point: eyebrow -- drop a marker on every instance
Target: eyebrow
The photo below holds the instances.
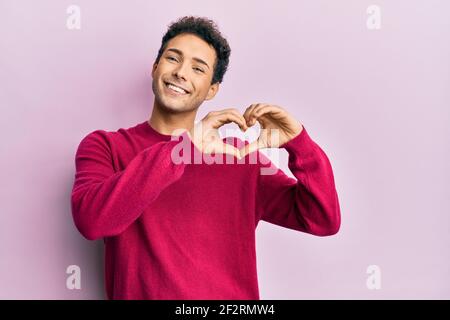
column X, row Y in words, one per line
column 194, row 58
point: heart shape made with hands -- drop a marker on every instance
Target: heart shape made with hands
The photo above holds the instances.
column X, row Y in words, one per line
column 277, row 127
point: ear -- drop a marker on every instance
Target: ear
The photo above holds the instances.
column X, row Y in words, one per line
column 213, row 89
column 155, row 65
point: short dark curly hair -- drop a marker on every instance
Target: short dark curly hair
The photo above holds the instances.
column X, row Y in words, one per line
column 206, row 29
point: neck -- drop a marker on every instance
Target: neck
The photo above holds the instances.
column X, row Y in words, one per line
column 166, row 122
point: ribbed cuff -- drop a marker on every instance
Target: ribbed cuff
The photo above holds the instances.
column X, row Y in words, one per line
column 301, row 143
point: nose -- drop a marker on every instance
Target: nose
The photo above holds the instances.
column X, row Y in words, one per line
column 180, row 71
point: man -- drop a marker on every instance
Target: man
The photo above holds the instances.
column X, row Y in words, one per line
column 184, row 230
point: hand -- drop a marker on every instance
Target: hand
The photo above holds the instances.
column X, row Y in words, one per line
column 277, row 126
column 205, row 134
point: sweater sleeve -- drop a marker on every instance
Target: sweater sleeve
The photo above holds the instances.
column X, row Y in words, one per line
column 105, row 201
column 308, row 203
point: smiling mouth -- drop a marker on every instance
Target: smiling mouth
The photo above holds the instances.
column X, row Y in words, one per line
column 175, row 90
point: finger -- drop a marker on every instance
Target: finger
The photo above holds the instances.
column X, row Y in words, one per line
column 264, row 110
column 251, row 115
column 249, row 148
column 236, row 112
column 227, row 117
column 223, row 148
column 248, row 111
column 229, row 149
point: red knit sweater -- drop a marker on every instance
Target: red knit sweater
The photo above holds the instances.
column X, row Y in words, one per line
column 187, row 231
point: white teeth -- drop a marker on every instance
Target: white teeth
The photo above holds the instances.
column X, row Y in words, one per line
column 170, row 86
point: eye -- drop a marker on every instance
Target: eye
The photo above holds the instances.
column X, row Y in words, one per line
column 171, row 58
column 198, row 69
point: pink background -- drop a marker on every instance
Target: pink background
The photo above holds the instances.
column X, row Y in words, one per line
column 377, row 102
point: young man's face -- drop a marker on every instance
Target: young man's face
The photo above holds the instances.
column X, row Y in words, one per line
column 187, row 62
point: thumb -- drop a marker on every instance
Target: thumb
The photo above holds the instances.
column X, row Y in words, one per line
column 232, row 150
column 249, row 148
column 223, row 148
